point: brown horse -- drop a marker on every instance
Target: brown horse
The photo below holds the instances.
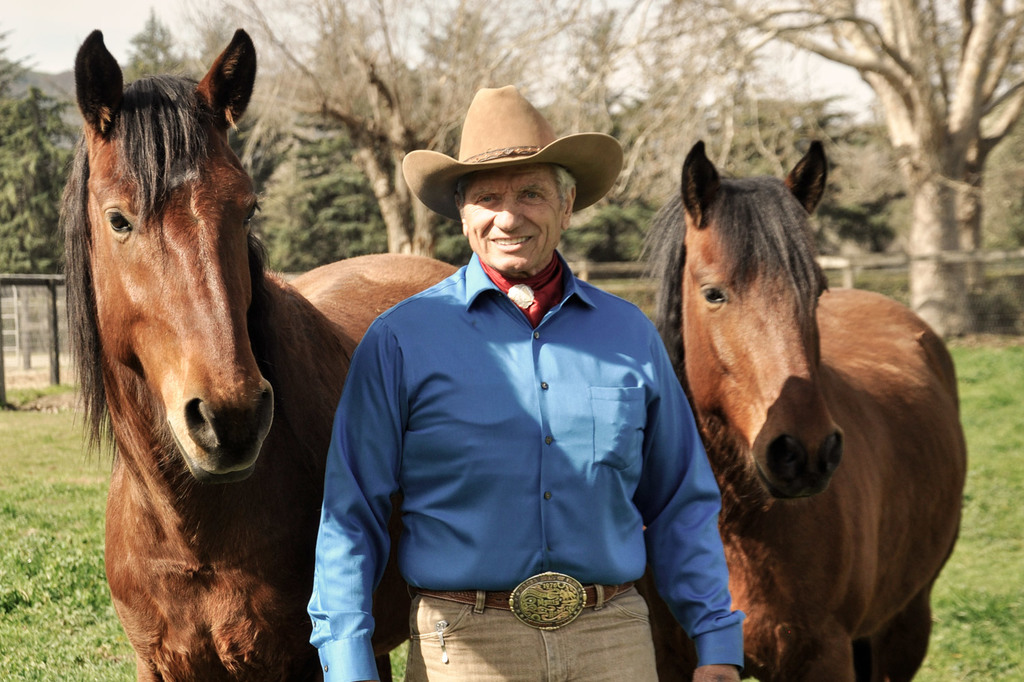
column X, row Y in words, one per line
column 831, row 420
column 216, row 381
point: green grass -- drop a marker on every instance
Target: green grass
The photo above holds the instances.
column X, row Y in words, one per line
column 978, row 602
column 57, row 623
column 56, row 618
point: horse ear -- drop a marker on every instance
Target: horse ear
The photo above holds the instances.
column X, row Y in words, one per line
column 99, row 85
column 700, row 184
column 226, row 88
column 807, row 179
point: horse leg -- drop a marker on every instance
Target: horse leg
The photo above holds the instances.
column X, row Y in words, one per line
column 384, row 667
column 899, row 649
column 813, row 652
column 862, row 660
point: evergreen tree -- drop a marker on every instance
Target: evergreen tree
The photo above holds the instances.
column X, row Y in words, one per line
column 153, row 51
column 35, row 147
column 613, row 232
column 9, row 71
column 319, row 208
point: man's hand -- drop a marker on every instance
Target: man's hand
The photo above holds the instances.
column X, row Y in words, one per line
column 717, row 673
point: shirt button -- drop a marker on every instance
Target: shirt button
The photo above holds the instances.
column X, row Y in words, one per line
column 547, row 496
column 536, row 335
column 544, row 385
column 549, row 440
column 325, row 668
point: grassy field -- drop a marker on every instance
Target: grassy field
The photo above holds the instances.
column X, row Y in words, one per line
column 57, row 623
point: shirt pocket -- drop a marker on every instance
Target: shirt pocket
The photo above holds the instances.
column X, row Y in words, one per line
column 619, row 417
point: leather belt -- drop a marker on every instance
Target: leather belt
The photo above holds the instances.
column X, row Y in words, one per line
column 546, row 601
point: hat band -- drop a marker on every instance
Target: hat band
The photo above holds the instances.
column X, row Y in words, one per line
column 502, row 153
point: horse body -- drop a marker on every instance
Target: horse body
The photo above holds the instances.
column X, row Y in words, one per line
column 832, row 425
column 857, row 561
column 217, row 380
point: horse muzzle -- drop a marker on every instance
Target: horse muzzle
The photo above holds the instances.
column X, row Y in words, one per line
column 221, row 443
column 790, row 470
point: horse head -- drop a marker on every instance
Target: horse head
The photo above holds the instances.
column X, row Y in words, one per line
column 164, row 255
column 749, row 287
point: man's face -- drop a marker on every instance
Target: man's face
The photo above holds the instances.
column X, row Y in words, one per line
column 514, row 218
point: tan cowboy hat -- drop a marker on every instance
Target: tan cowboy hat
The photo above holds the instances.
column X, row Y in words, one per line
column 503, row 129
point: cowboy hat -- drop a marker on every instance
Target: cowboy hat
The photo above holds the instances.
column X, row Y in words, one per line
column 503, row 129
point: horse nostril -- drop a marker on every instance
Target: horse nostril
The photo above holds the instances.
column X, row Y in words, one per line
column 787, row 458
column 200, row 424
column 831, row 453
column 265, row 409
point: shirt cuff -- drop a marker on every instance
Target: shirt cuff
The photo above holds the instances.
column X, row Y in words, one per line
column 721, row 647
column 348, row 660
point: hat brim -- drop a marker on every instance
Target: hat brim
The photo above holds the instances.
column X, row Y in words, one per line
column 594, row 159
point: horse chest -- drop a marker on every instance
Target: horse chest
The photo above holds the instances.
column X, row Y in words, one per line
column 198, row 621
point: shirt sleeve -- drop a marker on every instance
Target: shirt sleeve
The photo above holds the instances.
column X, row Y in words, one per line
column 680, row 501
column 361, row 475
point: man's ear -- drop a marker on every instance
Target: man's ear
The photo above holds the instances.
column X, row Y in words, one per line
column 459, row 203
column 570, row 201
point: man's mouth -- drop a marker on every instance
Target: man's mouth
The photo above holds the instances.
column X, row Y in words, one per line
column 510, row 241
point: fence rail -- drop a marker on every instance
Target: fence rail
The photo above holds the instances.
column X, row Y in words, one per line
column 34, row 324
column 870, row 261
column 21, row 325
column 995, row 289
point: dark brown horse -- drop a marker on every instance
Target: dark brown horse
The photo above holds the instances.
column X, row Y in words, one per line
column 831, row 420
column 216, row 381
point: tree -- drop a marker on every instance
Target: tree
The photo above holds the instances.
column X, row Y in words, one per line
column 950, row 85
column 612, row 233
column 9, row 70
column 35, row 147
column 771, row 135
column 318, row 208
column 153, row 51
column 1004, row 194
column 398, row 76
column 391, row 76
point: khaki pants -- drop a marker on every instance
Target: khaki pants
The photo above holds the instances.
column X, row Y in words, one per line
column 610, row 643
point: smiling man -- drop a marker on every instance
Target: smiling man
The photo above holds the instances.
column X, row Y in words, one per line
column 539, row 437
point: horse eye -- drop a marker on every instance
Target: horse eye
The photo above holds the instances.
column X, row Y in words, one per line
column 118, row 223
column 252, row 214
column 714, row 295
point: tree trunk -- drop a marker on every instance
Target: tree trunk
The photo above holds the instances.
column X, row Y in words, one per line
column 969, row 213
column 424, row 222
column 399, row 238
column 937, row 291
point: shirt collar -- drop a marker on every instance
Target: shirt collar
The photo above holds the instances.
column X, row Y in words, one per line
column 478, row 282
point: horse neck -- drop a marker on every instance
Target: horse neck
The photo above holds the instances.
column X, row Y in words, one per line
column 307, row 359
column 744, row 499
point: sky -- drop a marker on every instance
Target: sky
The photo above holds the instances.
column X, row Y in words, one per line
column 46, row 34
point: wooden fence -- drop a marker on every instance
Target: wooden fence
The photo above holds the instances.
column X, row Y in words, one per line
column 997, row 296
column 14, row 317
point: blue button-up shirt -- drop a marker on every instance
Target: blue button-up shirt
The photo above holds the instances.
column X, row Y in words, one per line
column 518, row 451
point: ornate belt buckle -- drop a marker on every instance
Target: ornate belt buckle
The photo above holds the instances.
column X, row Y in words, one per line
column 548, row 601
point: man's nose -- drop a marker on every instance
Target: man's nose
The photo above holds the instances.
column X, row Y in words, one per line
column 506, row 218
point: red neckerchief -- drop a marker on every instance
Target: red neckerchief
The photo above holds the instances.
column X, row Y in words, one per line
column 546, row 284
